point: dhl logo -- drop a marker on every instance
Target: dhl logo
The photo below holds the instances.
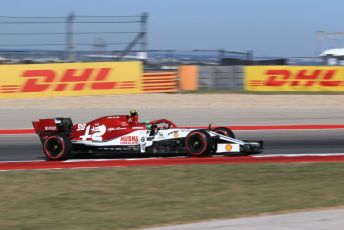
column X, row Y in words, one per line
column 303, row 77
column 36, row 81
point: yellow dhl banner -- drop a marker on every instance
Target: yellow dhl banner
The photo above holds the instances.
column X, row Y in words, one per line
column 69, row 79
column 294, row 78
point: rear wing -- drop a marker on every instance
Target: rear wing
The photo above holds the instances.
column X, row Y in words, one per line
column 47, row 127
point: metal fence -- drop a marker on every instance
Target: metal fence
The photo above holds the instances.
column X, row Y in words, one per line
column 221, row 77
column 171, row 59
column 71, row 38
column 109, row 38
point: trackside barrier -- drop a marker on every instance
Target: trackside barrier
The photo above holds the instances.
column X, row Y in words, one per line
column 294, row 78
column 188, row 77
column 221, row 77
column 159, row 82
column 69, row 79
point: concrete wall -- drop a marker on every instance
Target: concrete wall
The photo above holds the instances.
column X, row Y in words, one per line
column 221, row 77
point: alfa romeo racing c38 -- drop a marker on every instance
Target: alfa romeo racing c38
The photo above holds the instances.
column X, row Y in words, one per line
column 124, row 133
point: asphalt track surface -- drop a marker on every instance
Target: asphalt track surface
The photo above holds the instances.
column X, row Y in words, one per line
column 317, row 220
column 27, row 147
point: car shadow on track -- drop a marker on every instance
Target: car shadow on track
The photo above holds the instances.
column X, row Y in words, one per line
column 119, row 156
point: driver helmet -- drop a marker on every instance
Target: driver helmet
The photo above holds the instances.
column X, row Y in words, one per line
column 133, row 112
column 133, row 118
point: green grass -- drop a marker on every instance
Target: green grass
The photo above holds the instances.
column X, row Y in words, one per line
column 136, row 197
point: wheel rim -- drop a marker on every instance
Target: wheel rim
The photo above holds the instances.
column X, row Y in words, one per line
column 196, row 143
column 54, row 147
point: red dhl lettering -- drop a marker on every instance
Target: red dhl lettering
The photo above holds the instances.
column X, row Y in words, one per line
column 307, row 78
column 71, row 80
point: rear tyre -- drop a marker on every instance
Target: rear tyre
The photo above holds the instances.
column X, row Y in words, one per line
column 224, row 131
column 57, row 147
column 198, row 143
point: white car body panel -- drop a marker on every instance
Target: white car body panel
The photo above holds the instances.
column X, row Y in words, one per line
column 143, row 139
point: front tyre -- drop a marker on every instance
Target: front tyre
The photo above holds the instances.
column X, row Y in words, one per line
column 198, row 143
column 224, row 131
column 57, row 147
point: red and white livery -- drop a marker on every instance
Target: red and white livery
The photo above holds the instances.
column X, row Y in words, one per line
column 124, row 133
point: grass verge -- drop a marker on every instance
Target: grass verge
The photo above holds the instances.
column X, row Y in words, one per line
column 136, row 197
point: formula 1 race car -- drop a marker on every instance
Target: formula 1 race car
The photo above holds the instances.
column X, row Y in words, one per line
column 124, row 133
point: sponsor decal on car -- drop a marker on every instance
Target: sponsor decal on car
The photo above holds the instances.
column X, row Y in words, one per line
column 81, row 127
column 175, row 134
column 114, row 129
column 159, row 136
column 50, row 128
column 229, row 147
column 113, row 117
column 129, row 140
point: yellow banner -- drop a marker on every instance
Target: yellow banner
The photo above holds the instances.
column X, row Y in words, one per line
column 294, row 78
column 69, row 79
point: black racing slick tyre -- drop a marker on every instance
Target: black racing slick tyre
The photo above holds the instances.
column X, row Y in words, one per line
column 198, row 143
column 224, row 131
column 57, row 147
